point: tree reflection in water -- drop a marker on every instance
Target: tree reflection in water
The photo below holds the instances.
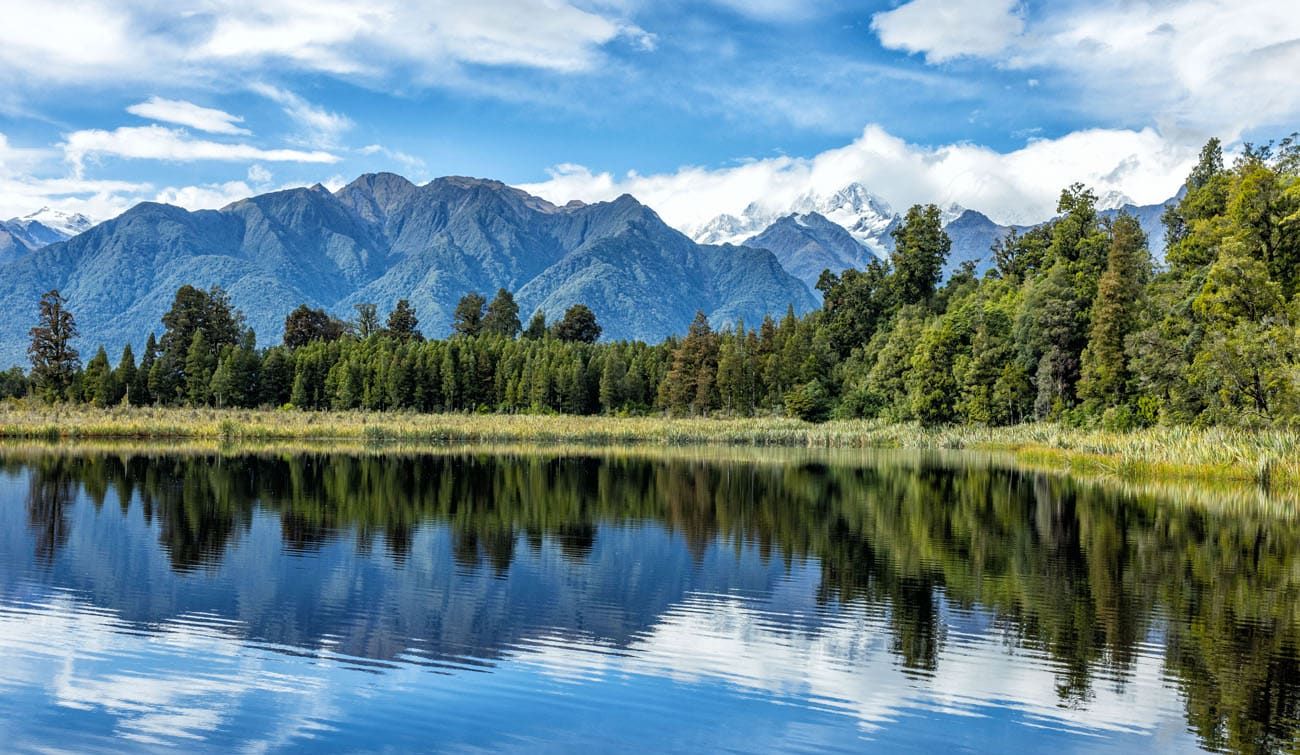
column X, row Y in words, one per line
column 1077, row 571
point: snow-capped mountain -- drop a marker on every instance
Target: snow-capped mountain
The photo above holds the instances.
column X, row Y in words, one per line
column 68, row 224
column 798, row 235
column 1114, row 200
column 865, row 216
column 21, row 236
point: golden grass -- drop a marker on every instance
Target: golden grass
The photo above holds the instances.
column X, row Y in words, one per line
column 1269, row 459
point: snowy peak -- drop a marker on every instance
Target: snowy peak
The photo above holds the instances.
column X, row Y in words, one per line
column 864, row 215
column 21, row 236
column 733, row 229
column 950, row 212
column 67, row 223
column 1114, row 200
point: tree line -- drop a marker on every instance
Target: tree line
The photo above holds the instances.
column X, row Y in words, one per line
column 1074, row 322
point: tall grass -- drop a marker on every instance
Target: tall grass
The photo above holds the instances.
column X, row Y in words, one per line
column 1269, row 458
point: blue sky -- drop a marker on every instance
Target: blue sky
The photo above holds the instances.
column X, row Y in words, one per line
column 697, row 108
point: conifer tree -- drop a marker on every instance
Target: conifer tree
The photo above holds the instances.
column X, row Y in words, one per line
column 536, row 329
column 920, row 249
column 468, row 317
column 200, row 363
column 125, row 377
column 54, row 360
column 502, row 318
column 97, row 382
column 403, row 324
column 578, row 324
column 1114, row 315
column 690, row 386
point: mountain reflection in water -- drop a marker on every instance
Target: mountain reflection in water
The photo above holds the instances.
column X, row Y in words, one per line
column 526, row 601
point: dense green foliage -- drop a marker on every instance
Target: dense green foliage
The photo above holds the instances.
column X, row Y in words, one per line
column 1074, row 324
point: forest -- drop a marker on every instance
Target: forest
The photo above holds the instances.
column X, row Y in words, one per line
column 1074, row 323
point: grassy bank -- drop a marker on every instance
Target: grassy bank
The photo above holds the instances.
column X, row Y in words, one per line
column 1270, row 459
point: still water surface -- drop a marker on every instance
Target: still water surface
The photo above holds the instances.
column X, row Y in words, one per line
column 524, row 602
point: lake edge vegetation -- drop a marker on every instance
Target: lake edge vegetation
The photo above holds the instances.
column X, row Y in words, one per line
column 1269, row 459
column 1073, row 329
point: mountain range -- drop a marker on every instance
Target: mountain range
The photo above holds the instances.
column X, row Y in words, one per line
column 20, row 236
column 812, row 233
column 382, row 238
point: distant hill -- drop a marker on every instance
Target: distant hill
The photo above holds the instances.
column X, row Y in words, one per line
column 382, row 238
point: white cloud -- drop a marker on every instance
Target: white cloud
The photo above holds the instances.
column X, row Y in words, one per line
column 188, row 114
column 205, row 197
column 82, row 41
column 1194, row 68
column 409, row 161
column 320, row 127
column 1206, row 66
column 258, row 174
column 94, row 198
column 1020, row 186
column 160, row 143
column 944, row 29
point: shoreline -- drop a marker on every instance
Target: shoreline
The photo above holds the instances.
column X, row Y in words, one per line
column 1269, row 459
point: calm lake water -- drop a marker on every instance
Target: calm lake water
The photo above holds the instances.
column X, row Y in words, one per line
column 525, row 602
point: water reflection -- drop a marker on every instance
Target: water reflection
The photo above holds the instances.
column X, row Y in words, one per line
column 896, row 600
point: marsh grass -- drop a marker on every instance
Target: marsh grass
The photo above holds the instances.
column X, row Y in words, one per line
column 1267, row 458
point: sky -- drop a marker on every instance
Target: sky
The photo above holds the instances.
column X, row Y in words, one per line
column 695, row 107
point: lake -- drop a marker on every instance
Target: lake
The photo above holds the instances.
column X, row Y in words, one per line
column 533, row 600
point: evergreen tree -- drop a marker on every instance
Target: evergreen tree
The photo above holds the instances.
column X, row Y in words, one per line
column 578, row 324
column 54, row 361
column 920, row 248
column 468, row 317
column 97, row 382
column 200, row 362
column 502, row 317
column 1114, row 315
column 612, row 378
column 125, row 377
column 691, row 383
column 140, row 394
column 13, row 383
column 304, row 325
column 277, row 379
column 854, row 305
column 536, row 329
column 192, row 311
column 403, row 324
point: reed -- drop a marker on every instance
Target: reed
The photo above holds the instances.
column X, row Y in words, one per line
column 1268, row 458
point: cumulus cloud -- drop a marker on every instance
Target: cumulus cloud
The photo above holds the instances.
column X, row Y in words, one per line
column 1020, row 186
column 258, row 174
column 142, row 40
column 1196, row 67
column 205, row 197
column 160, row 143
column 944, row 29
column 185, row 113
